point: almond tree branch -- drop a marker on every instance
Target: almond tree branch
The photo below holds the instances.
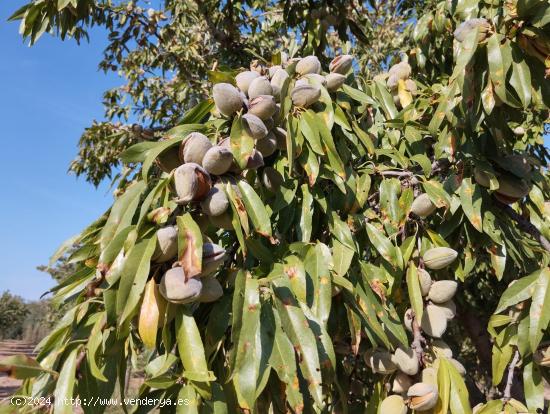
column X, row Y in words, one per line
column 510, row 379
column 525, row 225
column 418, row 340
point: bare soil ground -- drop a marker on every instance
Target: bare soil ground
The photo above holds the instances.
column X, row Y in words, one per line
column 8, row 348
column 9, row 385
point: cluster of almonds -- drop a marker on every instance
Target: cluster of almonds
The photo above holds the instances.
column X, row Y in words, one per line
column 201, row 169
column 400, row 72
column 175, row 285
column 439, row 307
column 420, row 387
column 199, row 163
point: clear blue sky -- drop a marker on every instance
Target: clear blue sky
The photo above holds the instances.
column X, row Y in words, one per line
column 49, row 94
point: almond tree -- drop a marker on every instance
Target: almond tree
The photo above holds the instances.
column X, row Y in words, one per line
column 316, row 237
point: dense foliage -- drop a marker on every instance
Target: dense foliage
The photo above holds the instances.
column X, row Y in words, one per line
column 165, row 55
column 392, row 230
column 13, row 312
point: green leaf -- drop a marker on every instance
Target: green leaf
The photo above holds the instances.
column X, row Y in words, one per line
column 443, row 386
column 135, row 262
column 533, row 385
column 242, row 144
column 190, row 245
column 497, row 68
column 384, row 246
column 248, row 349
column 466, row 52
column 358, row 95
column 386, row 100
column 190, row 347
column 189, row 395
column 330, row 149
column 437, row 193
column 317, row 263
column 342, row 257
column 65, row 246
column 65, row 384
column 415, row 294
column 112, row 250
column 306, row 215
column 364, row 138
column 296, row 326
column 139, row 279
column 22, row 367
column 197, row 114
column 282, row 358
column 341, row 231
column 310, row 132
column 459, row 398
column 137, row 152
column 256, row 209
column 539, row 312
column 122, row 213
column 94, row 344
column 216, row 76
column 470, row 200
column 521, row 290
column 521, row 77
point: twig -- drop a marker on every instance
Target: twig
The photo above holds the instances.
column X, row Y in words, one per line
column 510, row 379
column 396, row 173
column 418, row 340
column 525, row 225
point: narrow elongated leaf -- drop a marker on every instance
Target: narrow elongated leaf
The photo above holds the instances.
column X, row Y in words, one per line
column 497, row 68
column 190, row 400
column 383, row 245
column 459, row 402
column 470, row 200
column 308, row 126
column 151, row 314
column 122, row 212
column 306, row 215
column 93, row 346
column 242, row 144
column 189, row 245
column 297, row 328
column 539, row 313
column 139, row 278
column 256, row 209
column 519, row 291
column 190, row 347
column 521, row 77
column 330, row 149
column 533, row 385
column 248, row 346
column 415, row 294
column 135, row 270
column 342, row 257
column 317, row 263
column 65, row 385
column 22, row 367
column 443, row 387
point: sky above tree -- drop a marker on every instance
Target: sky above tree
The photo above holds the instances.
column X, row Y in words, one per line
column 50, row 93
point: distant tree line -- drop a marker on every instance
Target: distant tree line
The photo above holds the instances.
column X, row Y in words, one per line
column 20, row 319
